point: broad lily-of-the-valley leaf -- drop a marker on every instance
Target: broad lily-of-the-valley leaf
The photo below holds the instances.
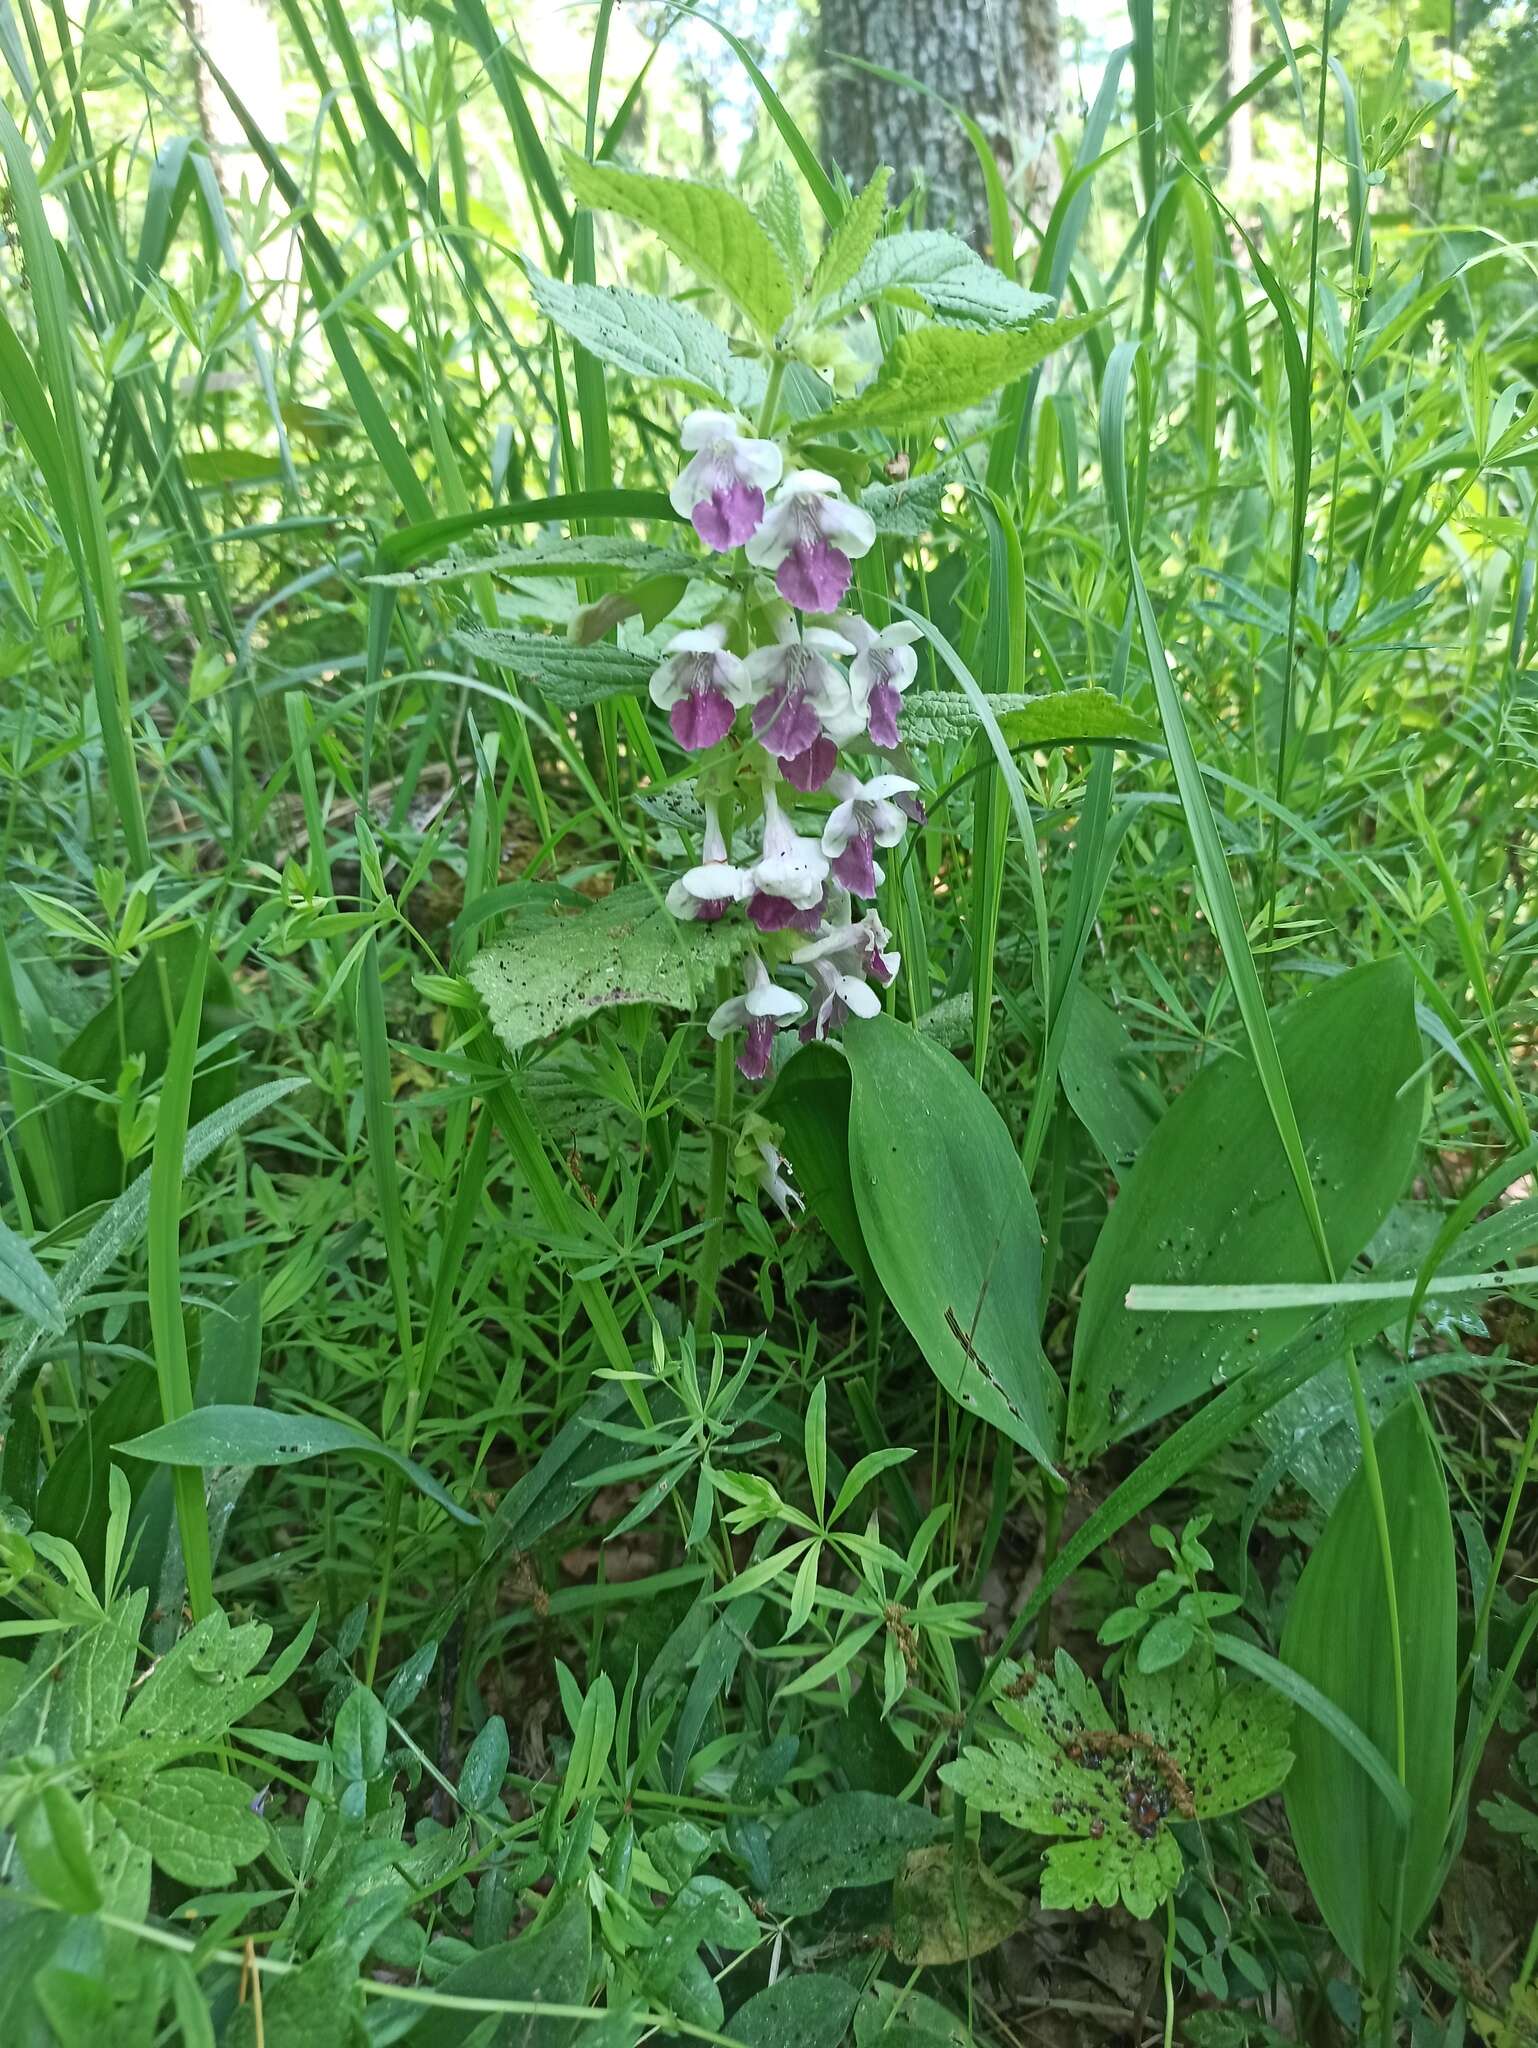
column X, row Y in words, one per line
column 1211, row 1199
column 1110, row 1798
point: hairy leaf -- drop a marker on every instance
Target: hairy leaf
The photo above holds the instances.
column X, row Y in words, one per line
column 550, row 969
column 936, row 369
column 943, row 274
column 940, row 717
column 850, row 242
column 560, row 555
column 570, row 676
column 660, row 339
column 712, row 230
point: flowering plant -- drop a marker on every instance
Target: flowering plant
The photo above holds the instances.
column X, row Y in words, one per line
column 818, row 685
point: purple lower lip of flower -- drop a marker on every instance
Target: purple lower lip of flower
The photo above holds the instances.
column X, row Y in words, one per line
column 855, row 867
column 811, row 770
column 880, row 967
column 912, row 806
column 757, row 1049
column 885, row 703
column 771, row 913
column 701, row 718
column 784, row 723
column 814, row 576
column 729, row 516
column 810, row 921
column 712, row 908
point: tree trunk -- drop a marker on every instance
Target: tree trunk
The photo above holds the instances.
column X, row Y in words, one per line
column 241, row 39
column 1241, row 64
column 997, row 60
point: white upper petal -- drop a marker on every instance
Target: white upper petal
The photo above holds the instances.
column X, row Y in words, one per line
column 850, row 527
column 700, row 429
column 858, row 997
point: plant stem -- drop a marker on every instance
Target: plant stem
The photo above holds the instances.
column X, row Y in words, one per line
column 720, row 1169
column 1497, row 1556
column 1169, row 1971
column 771, row 404
column 1052, row 1533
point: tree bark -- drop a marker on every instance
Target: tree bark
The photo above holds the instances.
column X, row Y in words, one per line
column 997, row 60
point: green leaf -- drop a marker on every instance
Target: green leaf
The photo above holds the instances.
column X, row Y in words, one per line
column 485, row 1766
column 570, row 676
column 126, row 1218
column 941, row 717
column 850, row 242
column 550, row 969
column 810, row 1103
column 360, row 1737
column 1337, row 1637
column 911, row 510
column 1192, row 1749
column 892, row 2016
column 707, row 227
column 851, row 1838
column 225, row 1435
column 1112, row 1091
column 206, row 1682
column 933, row 370
column 779, row 208
column 51, row 1837
column 549, row 1966
column 796, row 2012
column 660, row 339
column 1212, row 1198
column 951, row 1228
column 943, row 274
column 945, row 1910
column 562, row 555
column 195, row 1824
column 24, row 1284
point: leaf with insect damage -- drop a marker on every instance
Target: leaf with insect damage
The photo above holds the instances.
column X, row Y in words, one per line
column 1194, row 1748
column 553, row 967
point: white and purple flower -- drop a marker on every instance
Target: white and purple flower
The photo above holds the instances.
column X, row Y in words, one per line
column 789, row 879
column 722, row 488
column 863, row 819
column 883, row 667
column 773, row 1176
column 701, row 684
column 810, row 536
column 802, row 703
column 856, row 947
column 761, row 1009
column 708, row 891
